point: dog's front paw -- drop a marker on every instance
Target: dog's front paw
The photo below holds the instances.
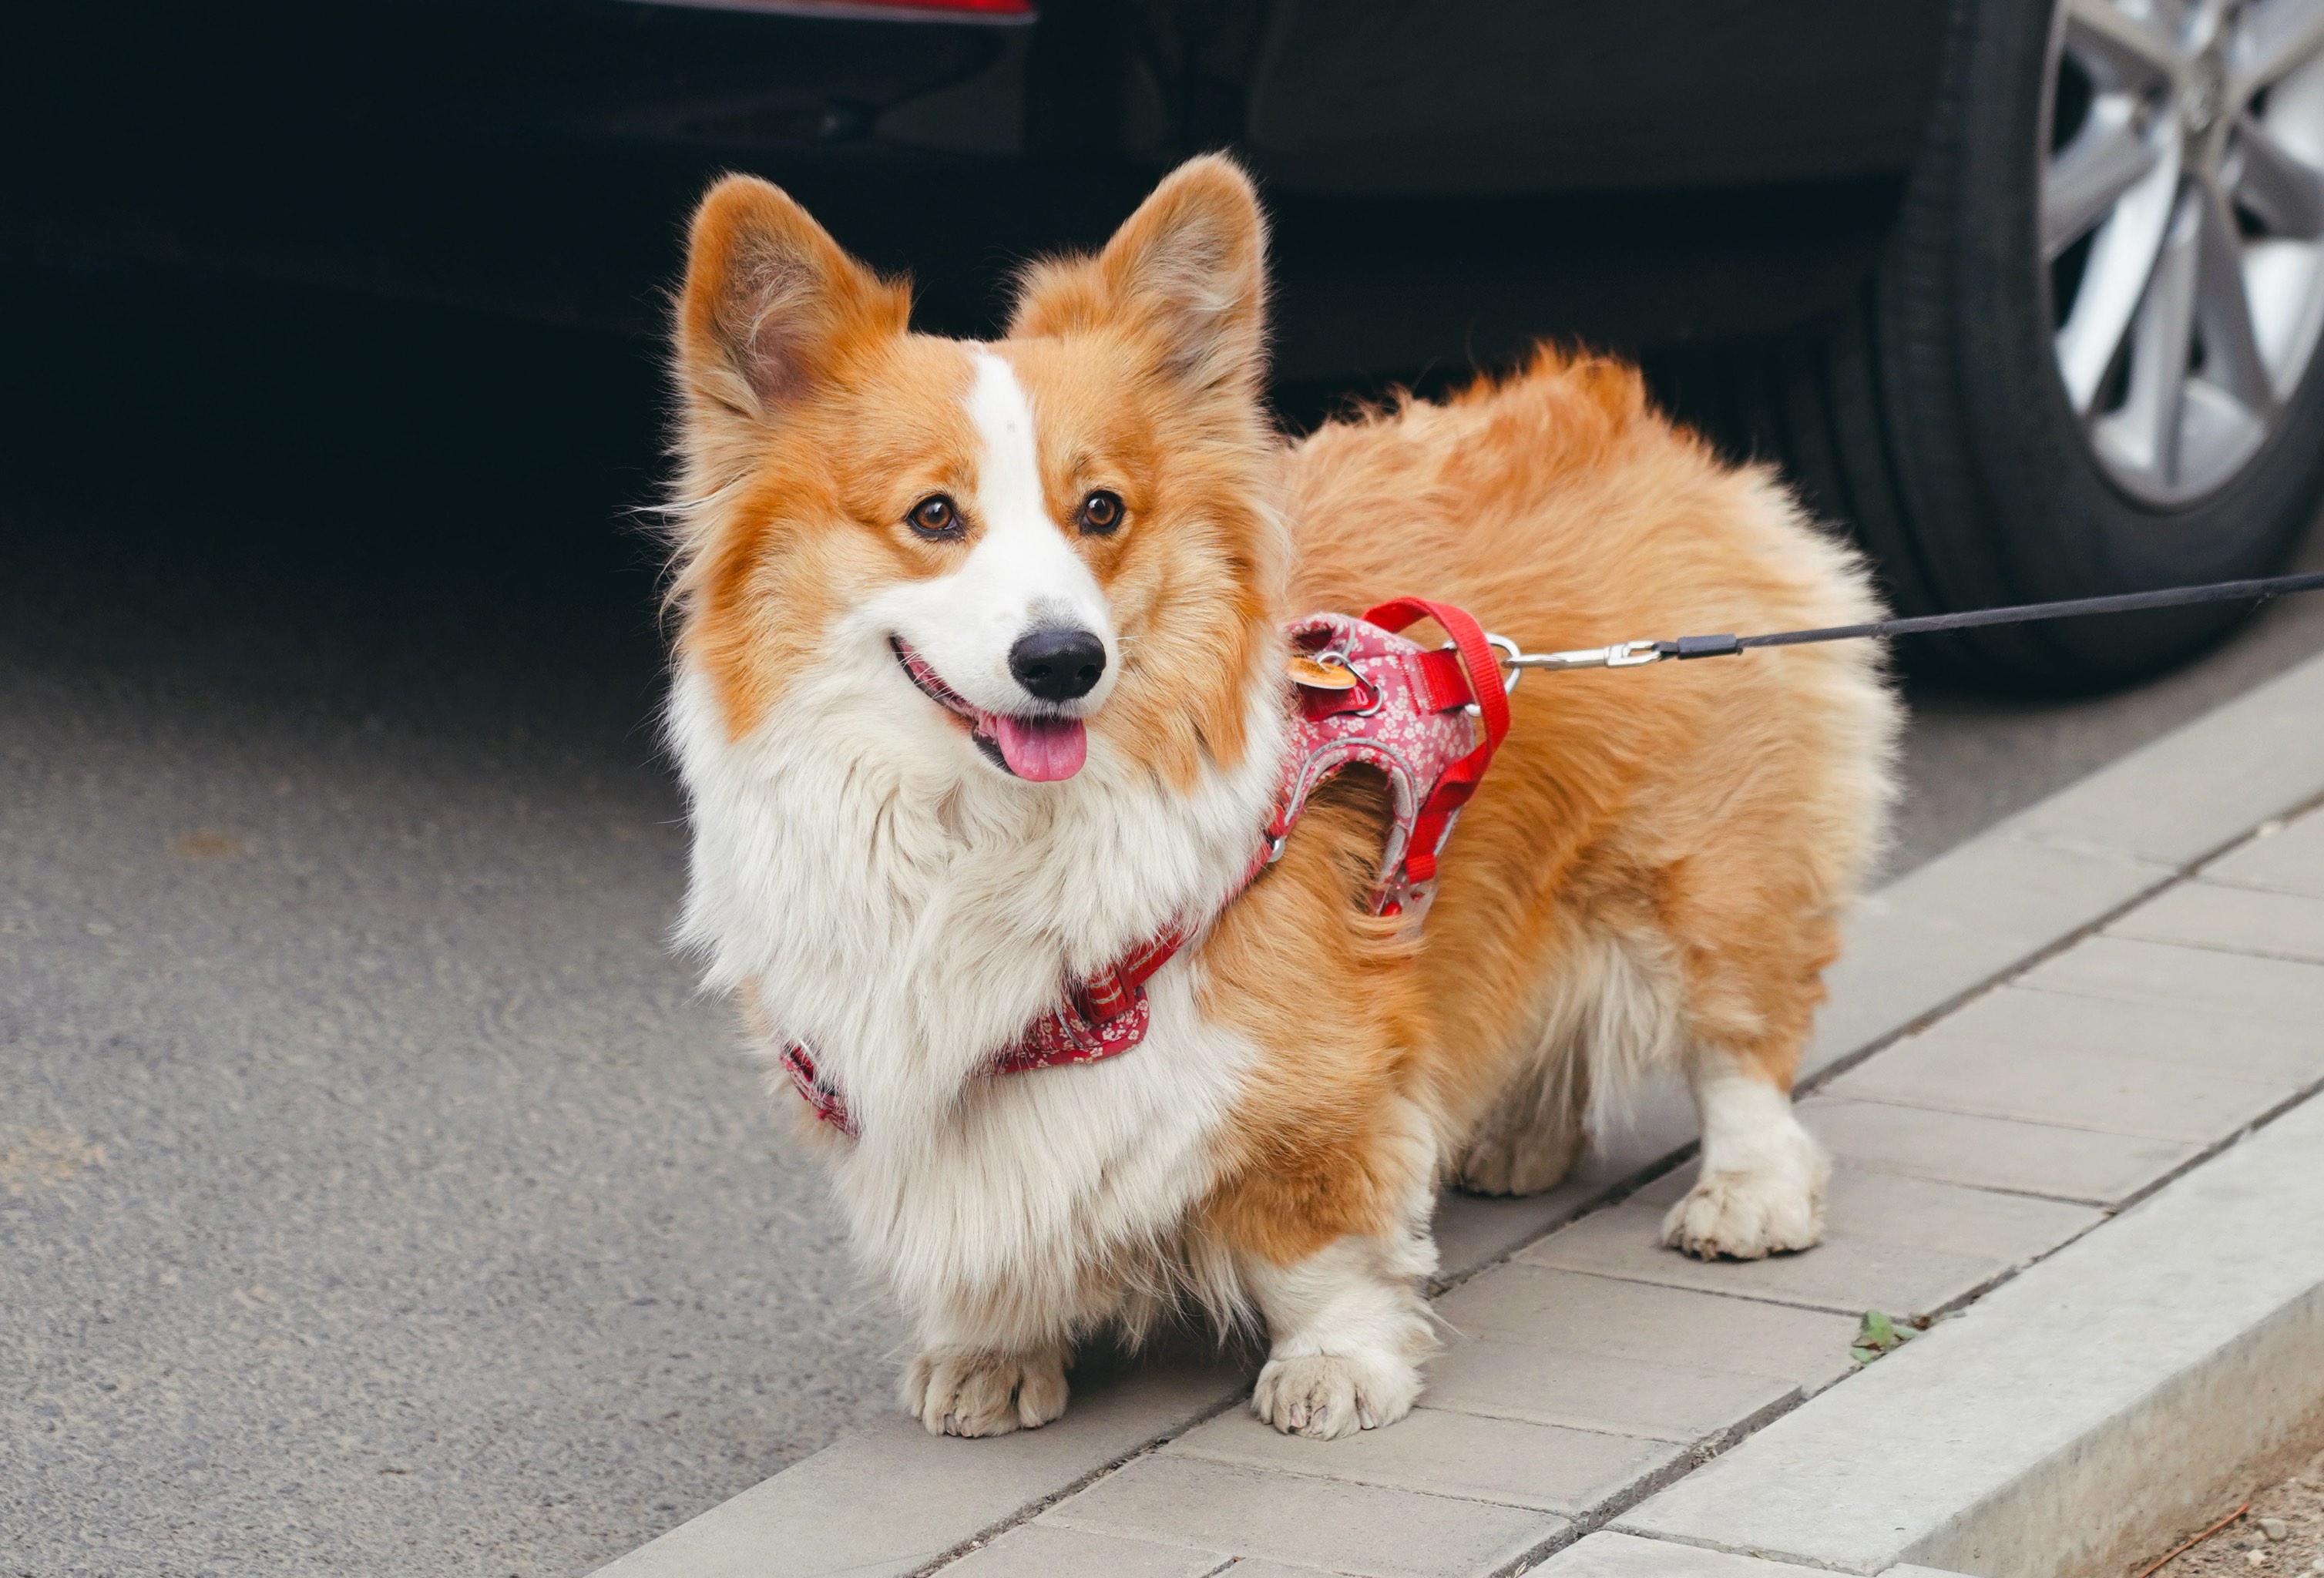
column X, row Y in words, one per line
column 1326, row 1396
column 1748, row 1216
column 974, row 1391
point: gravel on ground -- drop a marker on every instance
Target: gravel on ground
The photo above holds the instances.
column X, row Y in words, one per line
column 2281, row 1532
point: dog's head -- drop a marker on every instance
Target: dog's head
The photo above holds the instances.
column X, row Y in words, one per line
column 1065, row 533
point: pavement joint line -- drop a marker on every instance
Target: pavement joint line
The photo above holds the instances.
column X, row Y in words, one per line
column 1538, row 1554
column 1955, row 1306
column 1653, row 1172
column 2115, row 1206
column 1591, row 1521
column 2171, row 876
column 1588, row 1523
column 1729, row 1563
column 2204, row 945
column 1033, row 1509
column 2227, row 1391
column 1605, row 1199
column 1832, row 1070
column 1880, row 1100
column 2168, row 872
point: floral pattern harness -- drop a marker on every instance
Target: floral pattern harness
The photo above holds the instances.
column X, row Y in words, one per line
column 1428, row 720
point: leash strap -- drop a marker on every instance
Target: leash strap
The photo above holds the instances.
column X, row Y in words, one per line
column 2026, row 613
column 1487, row 693
column 1634, row 654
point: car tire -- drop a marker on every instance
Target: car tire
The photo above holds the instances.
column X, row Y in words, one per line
column 1936, row 422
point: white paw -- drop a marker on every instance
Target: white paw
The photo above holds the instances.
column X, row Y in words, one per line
column 1326, row 1396
column 971, row 1391
column 1749, row 1215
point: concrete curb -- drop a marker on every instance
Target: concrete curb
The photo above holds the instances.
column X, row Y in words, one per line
column 2074, row 1419
column 1622, row 1556
column 896, row 1502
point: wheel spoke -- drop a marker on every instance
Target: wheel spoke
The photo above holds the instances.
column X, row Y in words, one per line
column 2115, row 279
column 2273, row 38
column 2121, row 49
column 2287, row 195
column 2106, row 158
column 2231, row 358
column 2149, row 424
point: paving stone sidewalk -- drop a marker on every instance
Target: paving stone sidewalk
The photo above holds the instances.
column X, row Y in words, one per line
column 2061, row 1017
column 1594, row 1367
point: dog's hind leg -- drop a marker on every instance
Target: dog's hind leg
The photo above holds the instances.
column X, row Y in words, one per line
column 1760, row 1187
column 1533, row 1133
column 1609, row 1014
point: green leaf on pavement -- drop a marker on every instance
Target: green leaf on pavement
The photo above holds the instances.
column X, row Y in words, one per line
column 1877, row 1335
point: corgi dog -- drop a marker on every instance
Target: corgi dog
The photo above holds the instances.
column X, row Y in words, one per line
column 979, row 685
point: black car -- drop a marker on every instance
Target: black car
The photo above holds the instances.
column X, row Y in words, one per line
column 2026, row 292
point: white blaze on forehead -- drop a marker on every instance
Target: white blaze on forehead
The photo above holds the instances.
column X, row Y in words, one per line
column 1020, row 573
column 1009, row 469
column 1023, row 555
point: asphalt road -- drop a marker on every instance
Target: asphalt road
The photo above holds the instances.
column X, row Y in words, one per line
column 375, row 1194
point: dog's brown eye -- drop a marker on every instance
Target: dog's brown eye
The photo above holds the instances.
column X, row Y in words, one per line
column 1100, row 512
column 934, row 517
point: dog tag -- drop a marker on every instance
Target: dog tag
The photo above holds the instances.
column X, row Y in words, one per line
column 1321, row 676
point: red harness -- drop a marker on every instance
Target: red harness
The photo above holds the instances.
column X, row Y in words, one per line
column 1429, row 721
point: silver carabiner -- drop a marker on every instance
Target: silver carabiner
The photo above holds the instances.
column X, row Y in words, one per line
column 1620, row 655
column 1516, row 660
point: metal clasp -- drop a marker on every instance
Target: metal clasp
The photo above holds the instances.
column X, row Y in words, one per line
column 1620, row 655
column 1516, row 660
column 1510, row 655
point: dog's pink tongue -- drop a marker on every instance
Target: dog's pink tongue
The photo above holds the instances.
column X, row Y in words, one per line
column 1043, row 750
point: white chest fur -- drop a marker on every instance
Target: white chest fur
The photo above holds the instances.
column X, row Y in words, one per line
column 904, row 910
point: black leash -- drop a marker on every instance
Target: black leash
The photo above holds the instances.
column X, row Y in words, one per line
column 1632, row 654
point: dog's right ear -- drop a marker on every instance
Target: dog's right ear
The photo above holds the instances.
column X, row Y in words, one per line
column 772, row 305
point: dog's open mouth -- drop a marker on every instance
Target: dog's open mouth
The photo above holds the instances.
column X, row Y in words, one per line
column 1040, row 749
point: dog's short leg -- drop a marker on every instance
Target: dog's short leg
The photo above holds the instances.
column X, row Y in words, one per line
column 956, row 1391
column 1349, row 1330
column 1531, row 1135
column 1762, row 1180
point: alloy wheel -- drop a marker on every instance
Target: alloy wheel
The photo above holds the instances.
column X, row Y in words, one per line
column 2182, row 221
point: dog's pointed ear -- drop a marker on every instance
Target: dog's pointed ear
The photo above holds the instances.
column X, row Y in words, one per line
column 1187, row 272
column 772, row 305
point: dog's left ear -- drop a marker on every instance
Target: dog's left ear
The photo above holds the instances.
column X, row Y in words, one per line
column 1186, row 273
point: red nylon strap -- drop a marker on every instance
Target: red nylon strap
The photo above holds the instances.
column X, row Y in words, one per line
column 1112, row 993
column 1441, row 680
column 1106, row 1011
column 1115, row 993
column 1482, row 671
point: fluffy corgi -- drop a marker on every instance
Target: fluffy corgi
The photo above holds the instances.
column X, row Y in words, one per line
column 980, row 687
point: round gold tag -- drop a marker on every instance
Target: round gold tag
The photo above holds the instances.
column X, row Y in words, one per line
column 1320, row 676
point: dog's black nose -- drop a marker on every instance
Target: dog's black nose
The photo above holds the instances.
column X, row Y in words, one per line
column 1057, row 665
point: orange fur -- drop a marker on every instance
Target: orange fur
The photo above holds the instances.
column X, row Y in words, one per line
column 1719, row 811
column 1329, row 992
column 795, row 505
column 1682, row 837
